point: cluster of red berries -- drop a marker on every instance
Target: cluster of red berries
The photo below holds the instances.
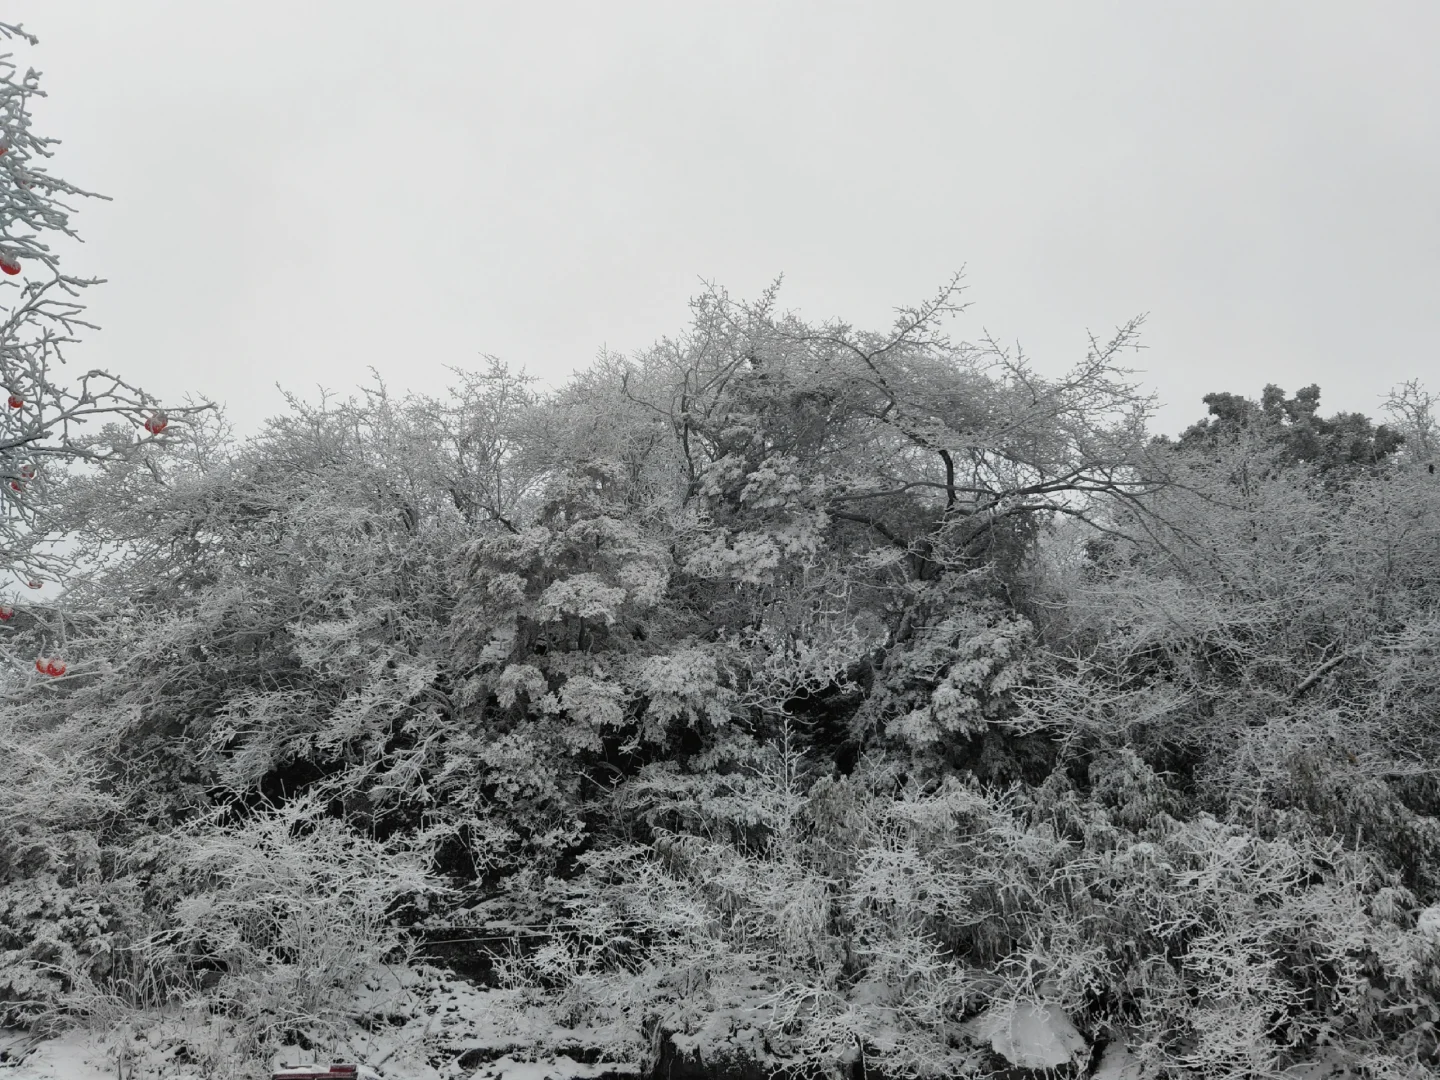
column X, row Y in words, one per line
column 27, row 472
column 45, row 665
column 52, row 665
column 155, row 423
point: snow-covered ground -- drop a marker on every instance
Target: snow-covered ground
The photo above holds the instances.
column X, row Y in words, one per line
column 70, row 1057
column 418, row 1019
column 77, row 1055
column 428, row 1026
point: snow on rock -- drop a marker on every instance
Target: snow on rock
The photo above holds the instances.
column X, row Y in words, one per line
column 1328, row 1065
column 1030, row 1035
column 1428, row 924
column 1117, row 1063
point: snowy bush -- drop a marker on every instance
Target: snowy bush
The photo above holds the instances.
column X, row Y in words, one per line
column 295, row 910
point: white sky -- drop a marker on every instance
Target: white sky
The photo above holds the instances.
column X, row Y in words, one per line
column 307, row 187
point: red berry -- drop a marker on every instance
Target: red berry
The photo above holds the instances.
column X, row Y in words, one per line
column 55, row 668
column 34, row 584
column 40, row 663
column 157, row 423
column 14, row 485
column 16, row 401
column 10, row 266
column 27, row 471
column 6, row 613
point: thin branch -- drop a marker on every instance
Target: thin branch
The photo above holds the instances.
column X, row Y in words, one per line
column 1318, row 674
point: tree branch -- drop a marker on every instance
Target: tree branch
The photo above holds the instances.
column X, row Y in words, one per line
column 1318, row 674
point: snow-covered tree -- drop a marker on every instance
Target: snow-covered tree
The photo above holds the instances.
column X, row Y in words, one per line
column 44, row 409
column 1412, row 408
column 594, row 654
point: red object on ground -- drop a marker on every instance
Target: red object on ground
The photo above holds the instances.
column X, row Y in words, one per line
column 9, row 266
column 6, row 614
column 313, row 1072
column 157, row 423
column 16, row 401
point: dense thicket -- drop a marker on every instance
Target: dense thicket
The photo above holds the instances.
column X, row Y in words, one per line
column 873, row 671
column 864, row 693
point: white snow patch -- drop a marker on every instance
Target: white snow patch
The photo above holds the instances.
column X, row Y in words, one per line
column 1117, row 1063
column 1428, row 924
column 561, row 1068
column 72, row 1056
column 1030, row 1035
column 1327, row 1065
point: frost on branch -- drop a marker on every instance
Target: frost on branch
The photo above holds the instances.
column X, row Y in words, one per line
column 953, row 679
column 40, row 318
column 603, row 682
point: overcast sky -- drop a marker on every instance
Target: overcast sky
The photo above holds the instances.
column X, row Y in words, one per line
column 307, row 187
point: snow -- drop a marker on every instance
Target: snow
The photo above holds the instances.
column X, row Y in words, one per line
column 417, row 1019
column 72, row 1056
column 1428, row 923
column 445, row 1029
column 561, row 1068
column 1028, row 1034
column 1117, row 1063
column 1328, row 1065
